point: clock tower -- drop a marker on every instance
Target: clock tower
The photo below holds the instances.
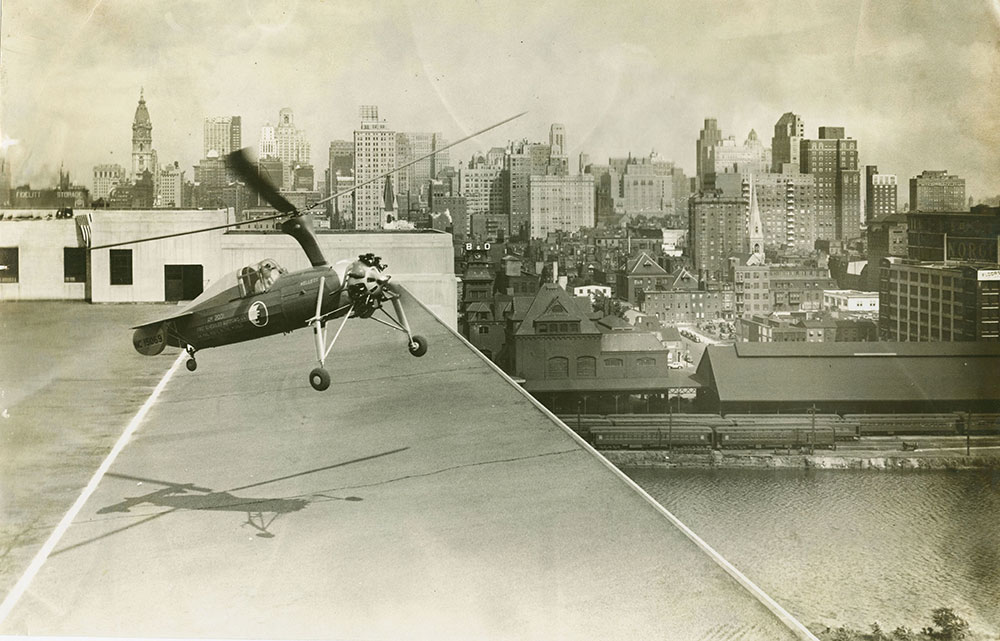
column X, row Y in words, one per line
column 143, row 154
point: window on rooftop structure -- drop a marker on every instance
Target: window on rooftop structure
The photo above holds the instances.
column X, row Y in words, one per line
column 9, row 270
column 74, row 264
column 120, row 264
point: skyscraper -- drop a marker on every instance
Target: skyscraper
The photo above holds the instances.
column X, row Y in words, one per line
column 522, row 161
column 786, row 142
column 143, row 154
column 561, row 203
column 292, row 146
column 268, row 145
column 833, row 161
column 716, row 231
column 557, row 139
column 170, row 188
column 374, row 154
column 223, row 134
column 881, row 193
column 710, row 136
column 937, row 191
column 412, row 182
column 731, row 163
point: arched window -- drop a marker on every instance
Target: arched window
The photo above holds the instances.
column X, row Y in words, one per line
column 557, row 367
column 614, row 362
column 645, row 361
column 586, row 366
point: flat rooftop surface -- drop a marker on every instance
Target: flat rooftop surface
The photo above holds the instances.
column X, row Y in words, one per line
column 416, row 498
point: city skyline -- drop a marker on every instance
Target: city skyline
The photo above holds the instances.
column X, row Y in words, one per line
column 902, row 81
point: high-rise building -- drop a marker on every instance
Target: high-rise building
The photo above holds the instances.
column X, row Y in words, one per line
column 716, row 231
column 5, row 180
column 522, row 161
column 787, row 203
column 833, row 161
column 561, row 203
column 223, row 134
column 342, row 157
column 786, row 142
column 106, row 178
column 483, row 189
column 708, row 138
column 881, row 193
column 646, row 186
column 937, row 191
column 143, row 154
column 412, row 181
column 170, row 188
column 268, row 145
column 374, row 154
column 292, row 146
column 749, row 158
column 557, row 139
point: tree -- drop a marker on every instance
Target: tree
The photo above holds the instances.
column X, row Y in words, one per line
column 952, row 626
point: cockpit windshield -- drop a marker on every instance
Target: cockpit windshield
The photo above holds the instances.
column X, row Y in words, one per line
column 258, row 278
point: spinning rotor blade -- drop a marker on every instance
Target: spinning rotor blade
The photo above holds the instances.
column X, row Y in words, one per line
column 246, row 171
column 241, row 165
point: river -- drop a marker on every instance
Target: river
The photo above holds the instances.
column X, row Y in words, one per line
column 841, row 547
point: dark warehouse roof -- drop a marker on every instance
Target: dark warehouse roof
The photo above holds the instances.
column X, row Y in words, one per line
column 852, row 371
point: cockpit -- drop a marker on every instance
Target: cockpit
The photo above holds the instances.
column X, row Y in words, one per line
column 258, row 278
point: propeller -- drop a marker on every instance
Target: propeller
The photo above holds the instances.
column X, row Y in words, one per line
column 241, row 164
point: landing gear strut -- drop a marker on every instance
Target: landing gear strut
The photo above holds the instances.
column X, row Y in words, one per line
column 191, row 364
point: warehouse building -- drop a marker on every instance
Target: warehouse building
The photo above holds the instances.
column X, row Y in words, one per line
column 849, row 377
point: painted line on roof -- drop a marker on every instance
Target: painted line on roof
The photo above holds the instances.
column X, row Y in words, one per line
column 773, row 606
column 43, row 554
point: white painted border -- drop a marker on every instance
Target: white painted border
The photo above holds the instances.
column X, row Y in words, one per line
column 43, row 554
column 783, row 615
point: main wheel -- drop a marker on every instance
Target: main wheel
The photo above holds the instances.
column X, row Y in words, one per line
column 418, row 345
column 191, row 364
column 319, row 378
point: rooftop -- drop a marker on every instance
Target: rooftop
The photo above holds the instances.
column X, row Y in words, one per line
column 878, row 371
column 248, row 505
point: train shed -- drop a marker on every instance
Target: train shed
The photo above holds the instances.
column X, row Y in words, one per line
column 850, row 377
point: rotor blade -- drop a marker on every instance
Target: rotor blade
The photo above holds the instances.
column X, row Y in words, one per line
column 187, row 486
column 188, row 233
column 239, row 163
column 413, row 162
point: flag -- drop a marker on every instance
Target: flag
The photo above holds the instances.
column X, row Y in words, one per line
column 83, row 222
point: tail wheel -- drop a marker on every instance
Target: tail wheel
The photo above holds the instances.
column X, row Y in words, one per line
column 418, row 345
column 319, row 378
column 191, row 364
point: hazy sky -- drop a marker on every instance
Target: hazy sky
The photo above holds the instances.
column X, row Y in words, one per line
column 916, row 82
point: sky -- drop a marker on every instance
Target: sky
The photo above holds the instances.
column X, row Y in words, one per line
column 915, row 82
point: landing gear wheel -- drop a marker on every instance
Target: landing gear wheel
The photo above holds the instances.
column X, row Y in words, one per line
column 319, row 378
column 418, row 345
column 191, row 364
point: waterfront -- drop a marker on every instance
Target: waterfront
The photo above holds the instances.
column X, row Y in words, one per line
column 839, row 547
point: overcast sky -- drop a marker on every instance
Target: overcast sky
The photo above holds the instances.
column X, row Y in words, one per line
column 915, row 82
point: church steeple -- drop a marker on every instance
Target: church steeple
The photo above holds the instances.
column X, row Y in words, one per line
column 755, row 231
column 388, row 202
